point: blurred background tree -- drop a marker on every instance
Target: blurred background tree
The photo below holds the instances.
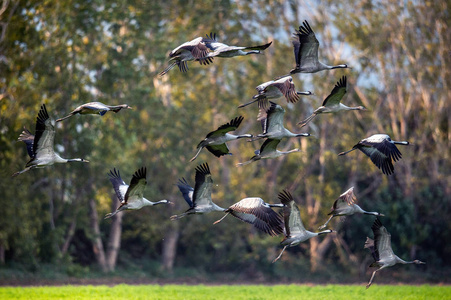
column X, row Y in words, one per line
column 68, row 53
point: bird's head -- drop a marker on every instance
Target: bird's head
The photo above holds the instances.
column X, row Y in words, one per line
column 361, row 107
column 78, row 159
column 126, row 106
column 418, row 262
column 381, row 215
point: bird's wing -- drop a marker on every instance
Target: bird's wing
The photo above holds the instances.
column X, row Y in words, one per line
column 385, row 147
column 291, row 215
column 269, row 145
column 44, row 134
column 346, row 199
column 381, row 160
column 256, row 212
column 369, row 244
column 197, row 47
column 382, row 241
column 337, row 93
column 137, row 185
column 305, row 46
column 259, row 47
column 218, row 150
column 288, row 89
column 274, row 119
column 223, row 129
column 120, row 187
column 28, row 138
column 186, row 190
column 202, row 188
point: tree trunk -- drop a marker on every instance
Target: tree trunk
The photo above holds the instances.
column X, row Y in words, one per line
column 170, row 247
column 97, row 246
column 114, row 241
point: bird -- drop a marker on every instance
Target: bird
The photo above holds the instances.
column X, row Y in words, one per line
column 195, row 49
column 381, row 149
column 305, row 47
column 215, row 141
column 257, row 212
column 295, row 231
column 40, row 145
column 131, row 196
column 332, row 103
column 94, row 108
column 283, row 87
column 272, row 125
column 199, row 198
column 223, row 50
column 345, row 206
column 268, row 150
column 381, row 250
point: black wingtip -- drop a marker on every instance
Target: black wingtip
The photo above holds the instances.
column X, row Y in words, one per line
column 114, row 173
column 342, row 82
column 377, row 224
column 237, row 121
column 285, row 197
column 203, row 169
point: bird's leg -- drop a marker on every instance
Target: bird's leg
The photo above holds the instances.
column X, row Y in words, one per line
column 325, row 224
column 246, row 104
column 197, row 154
column 221, row 219
column 371, row 280
column 306, row 121
column 107, row 216
column 23, row 171
column 64, row 118
column 176, row 217
column 244, row 163
column 277, row 258
column 346, row 152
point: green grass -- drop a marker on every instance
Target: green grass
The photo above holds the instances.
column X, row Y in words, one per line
column 247, row 292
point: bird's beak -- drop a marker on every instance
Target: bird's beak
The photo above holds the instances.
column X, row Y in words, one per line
column 85, row 160
column 381, row 215
column 130, row 107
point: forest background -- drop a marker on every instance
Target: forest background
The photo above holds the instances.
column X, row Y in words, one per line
column 66, row 53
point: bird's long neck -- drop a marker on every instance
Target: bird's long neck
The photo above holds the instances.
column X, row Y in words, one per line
column 304, row 93
column 244, row 136
column 164, row 201
column 301, row 134
column 116, row 108
column 72, row 160
column 338, row 67
column 324, row 232
column 276, row 205
column 401, row 142
column 401, row 261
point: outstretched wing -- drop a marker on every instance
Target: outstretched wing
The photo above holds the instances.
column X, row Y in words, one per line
column 382, row 241
column 28, row 138
column 274, row 118
column 136, row 189
column 337, row 93
column 186, row 190
column 202, row 188
column 223, row 129
column 120, row 187
column 287, row 88
column 291, row 215
column 44, row 134
column 218, row 150
column 256, row 212
column 345, row 199
column 305, row 46
column 380, row 154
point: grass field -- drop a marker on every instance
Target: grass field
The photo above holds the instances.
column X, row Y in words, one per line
column 228, row 292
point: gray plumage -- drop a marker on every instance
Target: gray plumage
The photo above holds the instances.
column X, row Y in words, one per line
column 272, row 125
column 199, row 198
column 95, row 108
column 40, row 145
column 268, row 150
column 381, row 149
column 295, row 231
column 332, row 103
column 345, row 206
column 131, row 196
column 255, row 211
column 223, row 50
column 381, row 250
column 215, row 141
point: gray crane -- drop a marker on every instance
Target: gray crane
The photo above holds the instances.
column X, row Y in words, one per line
column 268, row 150
column 381, row 149
column 255, row 211
column 195, row 49
column 215, row 141
column 295, row 231
column 381, row 250
column 283, row 87
column 305, row 47
column 199, row 198
column 345, row 206
column 40, row 145
column 272, row 125
column 95, row 108
column 131, row 196
column 223, row 50
column 332, row 103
